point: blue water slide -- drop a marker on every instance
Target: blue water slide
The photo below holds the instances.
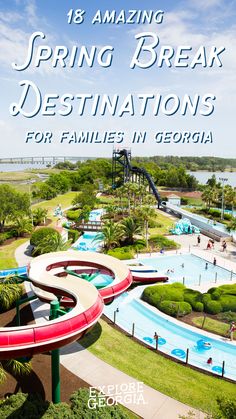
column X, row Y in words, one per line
column 14, row 271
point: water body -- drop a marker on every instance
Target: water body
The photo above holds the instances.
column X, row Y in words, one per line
column 20, row 167
column 203, row 177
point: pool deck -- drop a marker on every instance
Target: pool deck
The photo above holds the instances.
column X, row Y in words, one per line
column 188, row 243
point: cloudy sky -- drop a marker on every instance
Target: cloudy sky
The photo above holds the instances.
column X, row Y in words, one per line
column 192, row 23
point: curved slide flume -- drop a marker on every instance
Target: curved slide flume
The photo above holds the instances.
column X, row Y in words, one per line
column 87, row 303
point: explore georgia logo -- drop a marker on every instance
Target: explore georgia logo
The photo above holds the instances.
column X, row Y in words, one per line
column 110, row 395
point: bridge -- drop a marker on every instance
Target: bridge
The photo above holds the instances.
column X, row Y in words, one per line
column 89, row 226
column 45, row 160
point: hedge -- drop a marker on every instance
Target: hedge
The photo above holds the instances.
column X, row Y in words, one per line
column 40, row 236
column 175, row 308
column 73, row 235
column 122, row 253
column 167, row 297
column 73, row 215
column 22, row 405
column 212, row 307
column 163, row 242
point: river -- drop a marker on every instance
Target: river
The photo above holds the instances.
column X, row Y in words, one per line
column 202, row 177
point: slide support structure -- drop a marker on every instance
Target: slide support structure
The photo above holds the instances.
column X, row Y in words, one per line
column 19, row 303
column 55, row 358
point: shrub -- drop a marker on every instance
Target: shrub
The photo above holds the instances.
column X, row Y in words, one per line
column 73, row 235
column 73, row 215
column 227, row 316
column 169, row 307
column 163, row 242
column 41, row 236
column 205, row 298
column 184, row 308
column 198, row 306
column 192, row 297
column 175, row 309
column 122, row 253
column 3, row 238
column 22, row 405
column 80, row 407
column 228, row 302
column 9, row 294
column 212, row 307
column 156, row 294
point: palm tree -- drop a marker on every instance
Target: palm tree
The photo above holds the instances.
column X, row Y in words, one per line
column 131, row 227
column 9, row 294
column 52, row 243
column 15, row 367
column 23, row 225
column 110, row 235
column 145, row 213
column 39, row 215
column 209, row 195
column 232, row 225
column 230, row 196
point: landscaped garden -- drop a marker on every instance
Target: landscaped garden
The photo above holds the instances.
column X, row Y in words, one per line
column 178, row 301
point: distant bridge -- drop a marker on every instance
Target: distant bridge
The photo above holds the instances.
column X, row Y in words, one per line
column 49, row 160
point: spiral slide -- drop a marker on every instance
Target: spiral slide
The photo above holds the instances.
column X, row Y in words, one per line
column 86, row 300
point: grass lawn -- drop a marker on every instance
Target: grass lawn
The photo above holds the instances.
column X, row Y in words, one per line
column 181, row 383
column 110, row 200
column 50, row 205
column 213, row 325
column 195, row 201
column 166, row 224
column 16, row 176
column 7, row 258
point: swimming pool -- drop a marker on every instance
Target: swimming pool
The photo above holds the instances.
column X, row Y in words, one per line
column 95, row 215
column 87, row 242
column 189, row 267
column 174, row 338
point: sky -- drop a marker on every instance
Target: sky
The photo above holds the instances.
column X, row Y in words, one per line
column 192, row 23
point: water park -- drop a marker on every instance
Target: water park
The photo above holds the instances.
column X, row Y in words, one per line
column 112, row 278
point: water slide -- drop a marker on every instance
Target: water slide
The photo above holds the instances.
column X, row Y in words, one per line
column 86, row 300
column 14, row 271
column 146, row 274
column 142, row 171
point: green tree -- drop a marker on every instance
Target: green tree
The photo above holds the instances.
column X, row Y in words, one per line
column 131, row 228
column 145, row 213
column 12, row 203
column 230, row 196
column 39, row 215
column 45, row 191
column 53, row 243
column 47, row 239
column 232, row 225
column 87, row 196
column 209, row 195
column 60, row 182
column 23, row 226
column 111, row 234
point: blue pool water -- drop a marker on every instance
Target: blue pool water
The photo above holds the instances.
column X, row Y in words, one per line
column 193, row 267
column 96, row 214
column 87, row 242
column 174, row 338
